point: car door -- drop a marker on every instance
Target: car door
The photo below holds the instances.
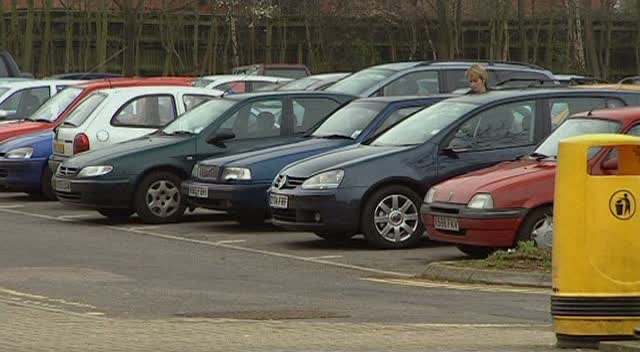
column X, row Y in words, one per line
column 24, row 102
column 134, row 118
column 496, row 134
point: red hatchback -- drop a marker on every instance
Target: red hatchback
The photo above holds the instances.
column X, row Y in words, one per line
column 512, row 201
column 53, row 112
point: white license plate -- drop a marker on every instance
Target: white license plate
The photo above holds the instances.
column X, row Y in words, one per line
column 447, row 224
column 58, row 148
column 198, row 191
column 278, row 201
column 62, row 185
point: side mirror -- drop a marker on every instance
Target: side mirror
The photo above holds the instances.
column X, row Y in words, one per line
column 219, row 137
column 610, row 165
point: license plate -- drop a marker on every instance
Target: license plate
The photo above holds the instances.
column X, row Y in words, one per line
column 447, row 224
column 58, row 148
column 278, row 201
column 198, row 191
column 62, row 185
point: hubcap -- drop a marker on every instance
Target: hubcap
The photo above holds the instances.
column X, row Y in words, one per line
column 542, row 232
column 163, row 198
column 396, row 218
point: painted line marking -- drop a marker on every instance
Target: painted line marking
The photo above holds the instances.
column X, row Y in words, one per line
column 141, row 228
column 326, row 257
column 42, row 299
column 50, row 309
column 7, row 206
column 229, row 241
column 75, row 216
column 463, row 287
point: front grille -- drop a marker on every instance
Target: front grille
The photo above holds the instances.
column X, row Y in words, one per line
column 66, row 171
column 289, row 182
column 441, row 210
column 208, row 172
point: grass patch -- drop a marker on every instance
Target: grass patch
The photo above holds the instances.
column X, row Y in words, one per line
column 526, row 257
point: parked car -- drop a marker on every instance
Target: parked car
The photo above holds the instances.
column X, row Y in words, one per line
column 239, row 83
column 293, row 71
column 572, row 79
column 20, row 99
column 111, row 116
column 376, row 188
column 510, row 202
column 314, row 82
column 9, row 67
column 85, row 75
column 430, row 77
column 247, row 198
column 144, row 175
column 51, row 114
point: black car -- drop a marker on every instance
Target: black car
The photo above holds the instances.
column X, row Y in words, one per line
column 376, row 188
column 144, row 175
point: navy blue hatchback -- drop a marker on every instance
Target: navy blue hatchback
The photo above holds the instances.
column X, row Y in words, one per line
column 376, row 188
column 238, row 183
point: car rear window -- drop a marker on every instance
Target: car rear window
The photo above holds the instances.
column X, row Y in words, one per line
column 294, row 73
column 84, row 109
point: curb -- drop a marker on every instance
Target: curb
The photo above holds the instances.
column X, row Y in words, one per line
column 442, row 271
column 620, row 346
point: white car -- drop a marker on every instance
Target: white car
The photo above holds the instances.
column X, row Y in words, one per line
column 240, row 83
column 20, row 99
column 110, row 116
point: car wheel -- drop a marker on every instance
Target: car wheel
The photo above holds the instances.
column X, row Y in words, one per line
column 478, row 252
column 536, row 220
column 158, row 198
column 333, row 236
column 46, row 186
column 391, row 218
column 116, row 214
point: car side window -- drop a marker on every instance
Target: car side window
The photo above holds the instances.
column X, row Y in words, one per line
column 634, row 131
column 258, row 119
column 508, row 125
column 151, row 111
column 395, row 117
column 190, row 101
column 25, row 102
column 457, row 79
column 521, row 78
column 416, row 83
column 233, row 87
column 309, row 111
column 262, row 86
column 562, row 108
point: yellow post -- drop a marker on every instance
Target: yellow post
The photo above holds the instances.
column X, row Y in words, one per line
column 596, row 243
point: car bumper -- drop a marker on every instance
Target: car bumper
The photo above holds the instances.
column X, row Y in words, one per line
column 477, row 227
column 236, row 198
column 332, row 211
column 96, row 194
column 21, row 175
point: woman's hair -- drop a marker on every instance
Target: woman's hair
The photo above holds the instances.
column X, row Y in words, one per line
column 478, row 71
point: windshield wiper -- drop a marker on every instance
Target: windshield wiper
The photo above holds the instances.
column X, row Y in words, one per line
column 539, row 156
column 69, row 124
column 180, row 133
column 335, row 136
column 39, row 120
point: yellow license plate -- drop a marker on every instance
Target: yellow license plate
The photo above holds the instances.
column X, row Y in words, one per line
column 58, row 148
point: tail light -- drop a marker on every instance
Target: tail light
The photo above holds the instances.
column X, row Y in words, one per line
column 80, row 143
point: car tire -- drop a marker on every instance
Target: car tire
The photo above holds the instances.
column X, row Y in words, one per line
column 47, row 186
column 158, row 198
column 116, row 214
column 336, row 237
column 477, row 252
column 402, row 227
column 533, row 221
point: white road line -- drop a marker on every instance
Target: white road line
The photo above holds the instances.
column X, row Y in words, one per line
column 326, row 257
column 462, row 287
column 49, row 309
column 142, row 228
column 7, row 206
column 75, row 216
column 229, row 241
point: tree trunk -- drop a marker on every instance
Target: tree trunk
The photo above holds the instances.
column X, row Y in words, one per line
column 43, row 67
column 3, row 28
column 129, row 15
column 234, row 41
column 68, row 42
column 443, row 30
column 27, row 53
column 307, row 28
column 196, row 41
column 434, row 55
column 607, row 53
column 268, row 42
column 15, row 33
column 548, row 54
column 524, row 47
column 593, row 64
column 283, row 39
column 102, row 35
column 579, row 45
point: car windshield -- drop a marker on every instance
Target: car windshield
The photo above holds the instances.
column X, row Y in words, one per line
column 423, row 125
column 196, row 120
column 357, row 83
column 350, row 120
column 576, row 127
column 299, row 84
column 52, row 109
column 201, row 83
column 80, row 114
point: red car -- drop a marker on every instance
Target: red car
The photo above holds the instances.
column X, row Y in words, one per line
column 53, row 112
column 510, row 202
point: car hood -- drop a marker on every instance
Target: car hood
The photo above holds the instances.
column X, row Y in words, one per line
column 26, row 140
column 339, row 159
column 127, row 148
column 514, row 177
column 13, row 128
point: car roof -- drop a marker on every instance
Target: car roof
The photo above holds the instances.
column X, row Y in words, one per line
column 528, row 92
column 160, row 88
column 245, row 78
column 417, row 98
column 626, row 115
column 243, row 96
column 331, row 75
column 39, row 82
column 130, row 81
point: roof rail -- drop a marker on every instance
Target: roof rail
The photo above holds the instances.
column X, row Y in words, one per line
column 536, row 83
column 630, row 78
column 487, row 62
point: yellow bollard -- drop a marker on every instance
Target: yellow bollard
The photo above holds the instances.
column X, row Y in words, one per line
column 596, row 244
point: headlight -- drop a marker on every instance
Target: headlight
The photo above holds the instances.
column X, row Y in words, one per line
column 236, row 173
column 194, row 171
column 429, row 197
column 20, row 153
column 205, row 171
column 92, row 171
column 481, row 201
column 325, row 180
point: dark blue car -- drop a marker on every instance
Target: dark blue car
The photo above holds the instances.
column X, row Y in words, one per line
column 376, row 188
column 215, row 184
column 23, row 164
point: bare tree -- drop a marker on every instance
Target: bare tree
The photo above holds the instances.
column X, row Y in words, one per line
column 129, row 10
column 443, row 30
column 27, row 53
column 43, row 67
column 593, row 63
column 524, row 47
